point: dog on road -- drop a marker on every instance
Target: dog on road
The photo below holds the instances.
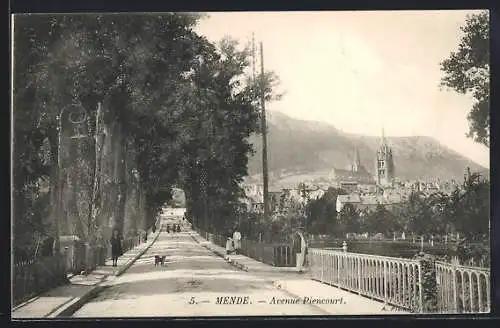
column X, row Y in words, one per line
column 159, row 260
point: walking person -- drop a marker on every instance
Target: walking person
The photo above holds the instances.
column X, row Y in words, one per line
column 116, row 247
column 229, row 244
column 237, row 241
column 299, row 246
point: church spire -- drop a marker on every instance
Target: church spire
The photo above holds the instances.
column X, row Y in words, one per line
column 356, row 163
column 383, row 136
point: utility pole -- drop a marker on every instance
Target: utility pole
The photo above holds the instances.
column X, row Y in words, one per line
column 253, row 56
column 264, row 135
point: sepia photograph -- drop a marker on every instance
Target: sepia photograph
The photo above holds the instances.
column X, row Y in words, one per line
column 220, row 164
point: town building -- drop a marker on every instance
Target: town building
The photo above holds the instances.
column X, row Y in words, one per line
column 349, row 186
column 342, row 200
column 356, row 173
column 275, row 196
column 369, row 203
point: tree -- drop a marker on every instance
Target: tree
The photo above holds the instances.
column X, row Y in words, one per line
column 219, row 126
column 283, row 201
column 401, row 222
column 418, row 214
column 178, row 99
column 118, row 60
column 34, row 35
column 381, row 220
column 321, row 213
column 348, row 219
column 469, row 208
column 467, row 71
column 437, row 203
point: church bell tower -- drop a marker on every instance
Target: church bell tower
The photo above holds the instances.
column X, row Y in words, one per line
column 384, row 165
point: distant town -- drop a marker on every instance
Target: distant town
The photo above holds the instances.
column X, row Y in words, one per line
column 364, row 190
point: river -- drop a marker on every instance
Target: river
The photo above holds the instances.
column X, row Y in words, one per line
column 402, row 249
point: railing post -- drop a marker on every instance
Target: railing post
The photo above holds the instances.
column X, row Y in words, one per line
column 359, row 262
column 420, row 292
column 479, row 292
column 471, row 293
column 322, row 266
column 386, row 283
column 339, row 262
column 488, row 291
column 454, row 286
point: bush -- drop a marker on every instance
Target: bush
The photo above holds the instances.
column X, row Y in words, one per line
column 466, row 251
column 429, row 282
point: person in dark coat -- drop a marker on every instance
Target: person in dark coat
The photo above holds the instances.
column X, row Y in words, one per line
column 116, row 247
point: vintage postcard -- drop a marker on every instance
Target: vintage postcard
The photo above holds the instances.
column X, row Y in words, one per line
column 250, row 164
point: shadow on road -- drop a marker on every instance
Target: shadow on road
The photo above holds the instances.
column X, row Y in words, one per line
column 189, row 268
column 172, row 285
column 190, row 272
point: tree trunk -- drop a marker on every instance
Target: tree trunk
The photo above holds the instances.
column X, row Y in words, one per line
column 132, row 194
column 121, row 176
column 53, row 188
column 141, row 220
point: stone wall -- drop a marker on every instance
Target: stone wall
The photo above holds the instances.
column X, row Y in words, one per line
column 114, row 199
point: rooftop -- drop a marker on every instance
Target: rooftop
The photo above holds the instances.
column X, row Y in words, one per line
column 353, row 198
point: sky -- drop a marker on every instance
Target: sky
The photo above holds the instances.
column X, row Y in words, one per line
column 361, row 71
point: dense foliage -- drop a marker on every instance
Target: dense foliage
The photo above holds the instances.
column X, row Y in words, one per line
column 181, row 104
column 463, row 214
column 464, row 211
column 467, row 71
column 322, row 213
column 428, row 282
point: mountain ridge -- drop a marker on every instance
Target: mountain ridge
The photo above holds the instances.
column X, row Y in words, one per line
column 297, row 146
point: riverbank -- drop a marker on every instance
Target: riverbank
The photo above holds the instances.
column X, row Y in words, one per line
column 399, row 248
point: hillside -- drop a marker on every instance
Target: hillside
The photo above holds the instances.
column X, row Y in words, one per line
column 304, row 147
